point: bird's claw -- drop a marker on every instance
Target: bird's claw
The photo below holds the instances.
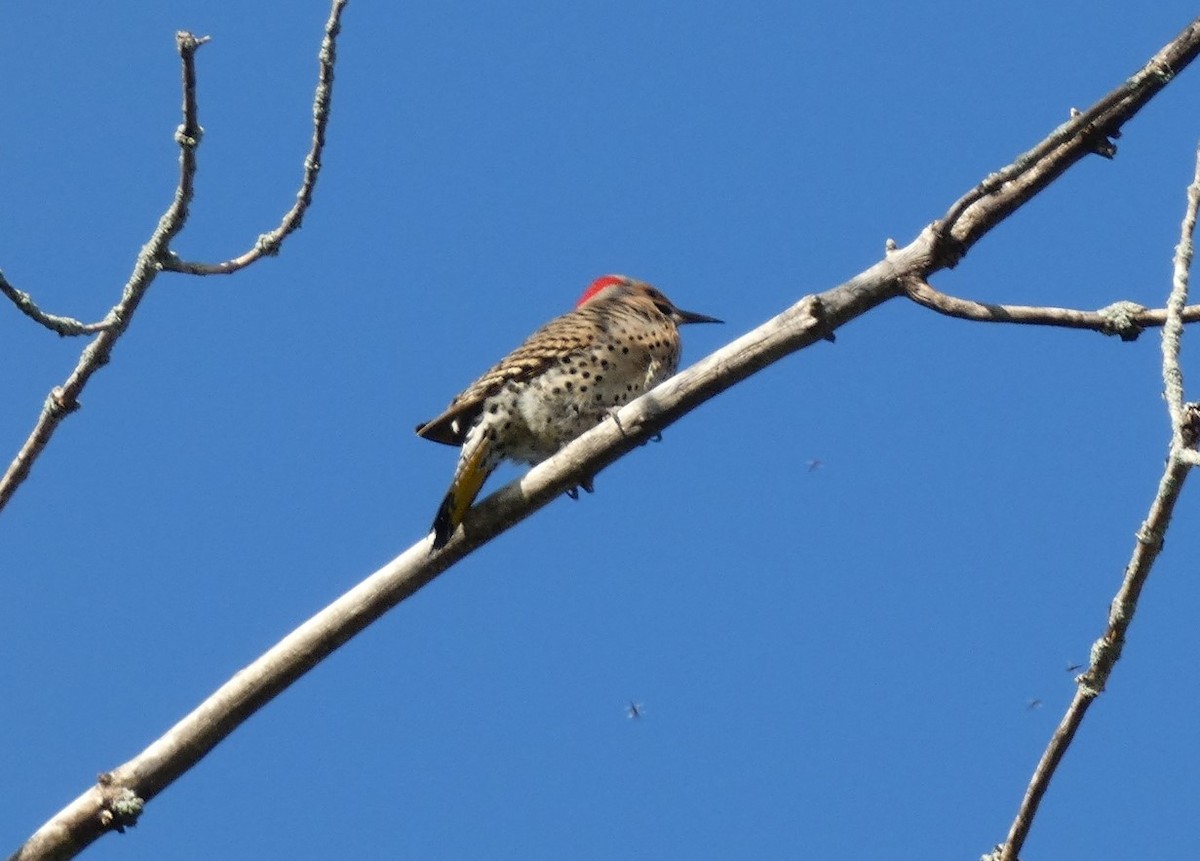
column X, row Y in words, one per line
column 586, row 484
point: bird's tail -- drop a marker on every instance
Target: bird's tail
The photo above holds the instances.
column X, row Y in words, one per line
column 475, row 464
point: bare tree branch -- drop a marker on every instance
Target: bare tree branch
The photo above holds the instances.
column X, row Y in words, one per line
column 269, row 243
column 813, row 319
column 1172, row 336
column 1091, row 131
column 156, row 254
column 1124, row 319
column 64, row 399
column 53, row 322
column 1185, row 421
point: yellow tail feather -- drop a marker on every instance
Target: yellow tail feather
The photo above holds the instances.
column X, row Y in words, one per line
column 472, row 472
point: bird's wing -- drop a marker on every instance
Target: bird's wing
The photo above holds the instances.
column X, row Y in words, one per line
column 560, row 337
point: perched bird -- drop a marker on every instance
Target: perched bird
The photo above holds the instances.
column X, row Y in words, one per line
column 621, row 340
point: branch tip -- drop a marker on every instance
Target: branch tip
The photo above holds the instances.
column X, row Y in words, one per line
column 188, row 43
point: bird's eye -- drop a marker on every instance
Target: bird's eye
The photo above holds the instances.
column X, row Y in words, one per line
column 659, row 300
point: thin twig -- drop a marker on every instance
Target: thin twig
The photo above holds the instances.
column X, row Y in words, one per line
column 269, row 243
column 810, row 321
column 1124, row 319
column 53, row 322
column 1107, row 650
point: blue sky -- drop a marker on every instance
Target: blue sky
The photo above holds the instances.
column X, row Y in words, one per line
column 833, row 664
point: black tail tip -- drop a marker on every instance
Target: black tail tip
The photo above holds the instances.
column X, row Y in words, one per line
column 440, row 540
column 443, row 526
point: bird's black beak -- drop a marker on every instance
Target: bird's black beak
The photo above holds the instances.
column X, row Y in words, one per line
column 682, row 317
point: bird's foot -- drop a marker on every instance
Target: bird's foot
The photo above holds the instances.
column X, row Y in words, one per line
column 586, row 484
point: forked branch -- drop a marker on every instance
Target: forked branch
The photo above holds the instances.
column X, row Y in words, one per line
column 268, row 244
column 156, row 255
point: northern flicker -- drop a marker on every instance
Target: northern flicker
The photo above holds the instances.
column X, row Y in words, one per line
column 621, row 340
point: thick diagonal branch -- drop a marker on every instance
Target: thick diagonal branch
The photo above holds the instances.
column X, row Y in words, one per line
column 1085, row 133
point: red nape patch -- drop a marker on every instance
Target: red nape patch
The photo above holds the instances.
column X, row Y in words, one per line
column 598, row 285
